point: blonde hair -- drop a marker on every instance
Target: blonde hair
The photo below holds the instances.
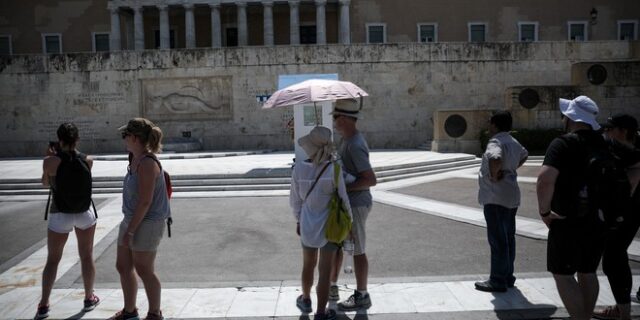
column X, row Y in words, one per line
column 148, row 132
column 154, row 143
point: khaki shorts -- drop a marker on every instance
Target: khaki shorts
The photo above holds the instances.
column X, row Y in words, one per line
column 360, row 215
column 146, row 238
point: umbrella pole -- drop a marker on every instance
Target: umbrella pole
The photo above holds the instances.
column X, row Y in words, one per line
column 315, row 112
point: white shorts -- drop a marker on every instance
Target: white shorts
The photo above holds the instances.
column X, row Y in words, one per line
column 65, row 222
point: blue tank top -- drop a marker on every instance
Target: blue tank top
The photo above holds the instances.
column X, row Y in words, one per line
column 159, row 209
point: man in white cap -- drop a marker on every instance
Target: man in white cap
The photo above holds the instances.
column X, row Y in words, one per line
column 576, row 240
column 354, row 154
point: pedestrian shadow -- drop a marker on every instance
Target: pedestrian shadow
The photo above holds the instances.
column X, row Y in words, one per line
column 340, row 315
column 514, row 305
column 78, row 315
column 360, row 315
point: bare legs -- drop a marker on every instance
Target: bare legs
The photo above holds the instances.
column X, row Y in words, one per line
column 85, row 249
column 124, row 265
column 310, row 259
column 324, row 272
column 361, row 268
column 578, row 296
column 337, row 265
column 144, row 265
column 55, row 248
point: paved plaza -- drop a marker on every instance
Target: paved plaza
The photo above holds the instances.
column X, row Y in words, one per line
column 235, row 254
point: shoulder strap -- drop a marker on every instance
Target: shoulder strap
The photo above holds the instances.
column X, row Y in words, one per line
column 154, row 158
column 316, row 181
column 336, row 175
column 46, row 209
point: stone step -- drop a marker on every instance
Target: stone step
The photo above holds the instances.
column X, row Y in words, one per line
column 424, row 168
column 425, row 163
column 263, row 179
column 175, row 181
column 247, row 187
column 424, row 173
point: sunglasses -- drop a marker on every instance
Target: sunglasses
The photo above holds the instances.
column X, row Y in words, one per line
column 125, row 134
column 336, row 116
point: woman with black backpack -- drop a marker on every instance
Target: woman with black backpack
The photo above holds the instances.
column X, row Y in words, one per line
column 68, row 174
column 145, row 205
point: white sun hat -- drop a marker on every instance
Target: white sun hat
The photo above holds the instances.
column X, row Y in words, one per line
column 581, row 109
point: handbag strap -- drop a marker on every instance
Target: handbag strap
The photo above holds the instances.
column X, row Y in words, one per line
column 336, row 175
column 316, row 181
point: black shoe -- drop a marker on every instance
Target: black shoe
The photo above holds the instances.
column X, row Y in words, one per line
column 488, row 286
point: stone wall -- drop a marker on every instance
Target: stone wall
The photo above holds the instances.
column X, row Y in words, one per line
column 211, row 93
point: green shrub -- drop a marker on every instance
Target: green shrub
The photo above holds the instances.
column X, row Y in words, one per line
column 535, row 141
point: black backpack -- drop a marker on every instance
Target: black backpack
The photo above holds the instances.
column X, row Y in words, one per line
column 606, row 192
column 73, row 184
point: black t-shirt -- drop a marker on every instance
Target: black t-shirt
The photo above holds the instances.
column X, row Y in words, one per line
column 570, row 156
column 570, row 159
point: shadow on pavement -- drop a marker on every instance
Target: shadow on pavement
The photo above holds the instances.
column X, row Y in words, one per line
column 361, row 315
column 516, row 306
column 78, row 315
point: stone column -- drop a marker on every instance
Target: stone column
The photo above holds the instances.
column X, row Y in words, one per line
column 267, row 7
column 242, row 23
column 294, row 22
column 189, row 26
column 138, row 28
column 216, row 26
column 345, row 29
column 165, row 40
column 114, row 36
column 321, row 37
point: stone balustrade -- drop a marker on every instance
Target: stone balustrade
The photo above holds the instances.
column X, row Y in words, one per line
column 163, row 6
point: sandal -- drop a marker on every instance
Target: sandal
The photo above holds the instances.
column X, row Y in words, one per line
column 608, row 313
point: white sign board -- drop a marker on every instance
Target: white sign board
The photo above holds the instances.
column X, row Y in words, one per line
column 307, row 116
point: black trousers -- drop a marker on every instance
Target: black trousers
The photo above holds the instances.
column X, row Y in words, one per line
column 615, row 261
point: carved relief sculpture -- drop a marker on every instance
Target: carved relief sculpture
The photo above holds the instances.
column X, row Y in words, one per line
column 187, row 98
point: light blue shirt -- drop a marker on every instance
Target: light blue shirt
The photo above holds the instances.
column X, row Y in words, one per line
column 354, row 154
column 505, row 192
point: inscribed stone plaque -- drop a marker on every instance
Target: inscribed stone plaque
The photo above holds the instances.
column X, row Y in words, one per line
column 187, row 98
